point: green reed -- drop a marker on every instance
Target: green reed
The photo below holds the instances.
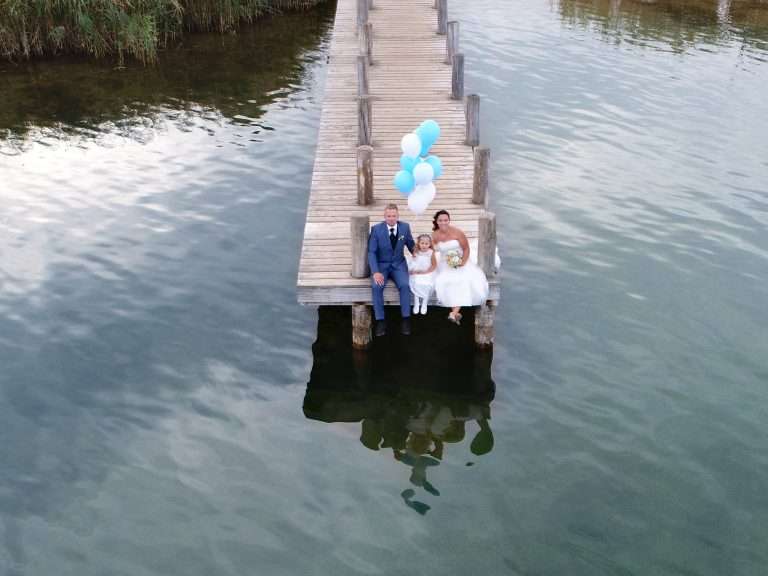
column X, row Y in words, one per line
column 123, row 28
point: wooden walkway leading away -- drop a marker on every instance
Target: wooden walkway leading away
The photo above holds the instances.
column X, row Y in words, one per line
column 409, row 81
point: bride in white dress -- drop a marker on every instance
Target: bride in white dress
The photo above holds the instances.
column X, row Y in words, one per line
column 460, row 284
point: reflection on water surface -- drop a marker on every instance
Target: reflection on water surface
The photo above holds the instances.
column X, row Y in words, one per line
column 679, row 23
column 413, row 397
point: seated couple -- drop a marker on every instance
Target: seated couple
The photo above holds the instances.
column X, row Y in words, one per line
column 440, row 262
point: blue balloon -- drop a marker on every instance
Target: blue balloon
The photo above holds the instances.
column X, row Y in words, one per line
column 404, row 182
column 436, row 163
column 428, row 132
column 425, row 142
column 408, row 163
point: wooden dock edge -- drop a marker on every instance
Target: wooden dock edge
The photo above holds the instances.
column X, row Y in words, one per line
column 361, row 294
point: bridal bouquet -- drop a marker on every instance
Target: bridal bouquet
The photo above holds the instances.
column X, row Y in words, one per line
column 453, row 258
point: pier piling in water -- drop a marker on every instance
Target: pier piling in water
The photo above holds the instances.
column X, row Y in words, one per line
column 364, row 119
column 485, row 318
column 362, row 76
column 442, row 17
column 472, row 116
column 481, row 176
column 486, row 244
column 451, row 42
column 486, row 259
column 457, row 77
column 362, row 319
column 366, row 42
column 362, row 13
column 365, row 175
column 359, row 227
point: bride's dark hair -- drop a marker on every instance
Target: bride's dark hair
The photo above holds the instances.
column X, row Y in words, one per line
column 437, row 215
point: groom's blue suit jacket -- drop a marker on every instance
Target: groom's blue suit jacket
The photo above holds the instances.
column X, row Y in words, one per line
column 381, row 256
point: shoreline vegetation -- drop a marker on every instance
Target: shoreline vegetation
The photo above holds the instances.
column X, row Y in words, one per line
column 134, row 29
column 232, row 78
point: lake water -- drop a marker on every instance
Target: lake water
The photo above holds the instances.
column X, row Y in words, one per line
column 168, row 409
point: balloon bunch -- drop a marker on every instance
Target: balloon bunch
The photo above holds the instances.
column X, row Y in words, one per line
column 419, row 169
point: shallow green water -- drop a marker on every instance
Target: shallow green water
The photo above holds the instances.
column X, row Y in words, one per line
column 167, row 408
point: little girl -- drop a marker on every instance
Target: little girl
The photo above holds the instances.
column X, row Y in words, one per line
column 422, row 268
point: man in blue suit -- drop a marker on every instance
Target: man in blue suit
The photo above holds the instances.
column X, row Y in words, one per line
column 387, row 260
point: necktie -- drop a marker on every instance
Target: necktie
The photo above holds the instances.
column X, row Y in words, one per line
column 392, row 238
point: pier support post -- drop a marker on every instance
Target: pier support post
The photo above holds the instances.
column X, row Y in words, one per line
column 457, row 78
column 486, row 244
column 451, row 42
column 362, row 76
column 481, row 177
column 362, row 13
column 362, row 319
column 485, row 316
column 472, row 115
column 442, row 17
column 364, row 118
column 360, row 227
column 366, row 42
column 486, row 260
column 364, row 175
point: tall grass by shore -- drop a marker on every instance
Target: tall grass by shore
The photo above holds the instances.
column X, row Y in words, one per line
column 123, row 28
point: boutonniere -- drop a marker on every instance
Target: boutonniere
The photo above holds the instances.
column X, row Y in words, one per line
column 401, row 238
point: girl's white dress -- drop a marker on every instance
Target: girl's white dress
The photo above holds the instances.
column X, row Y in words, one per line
column 463, row 286
column 421, row 284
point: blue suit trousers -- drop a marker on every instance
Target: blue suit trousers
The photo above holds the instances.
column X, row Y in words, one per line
column 400, row 276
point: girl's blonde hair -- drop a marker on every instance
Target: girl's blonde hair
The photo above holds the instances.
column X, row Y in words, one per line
column 419, row 237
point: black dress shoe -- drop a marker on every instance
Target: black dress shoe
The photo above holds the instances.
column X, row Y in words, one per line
column 381, row 328
column 405, row 327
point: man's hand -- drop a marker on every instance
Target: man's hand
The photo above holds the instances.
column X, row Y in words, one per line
column 378, row 277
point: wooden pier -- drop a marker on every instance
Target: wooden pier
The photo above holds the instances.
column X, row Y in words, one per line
column 393, row 64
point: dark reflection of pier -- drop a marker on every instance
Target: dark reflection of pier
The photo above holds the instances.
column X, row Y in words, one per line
column 413, row 396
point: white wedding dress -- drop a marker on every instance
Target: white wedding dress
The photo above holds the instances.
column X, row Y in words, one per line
column 463, row 286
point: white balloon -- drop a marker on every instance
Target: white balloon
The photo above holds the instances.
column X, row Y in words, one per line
column 423, row 173
column 428, row 190
column 411, row 145
column 418, row 200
